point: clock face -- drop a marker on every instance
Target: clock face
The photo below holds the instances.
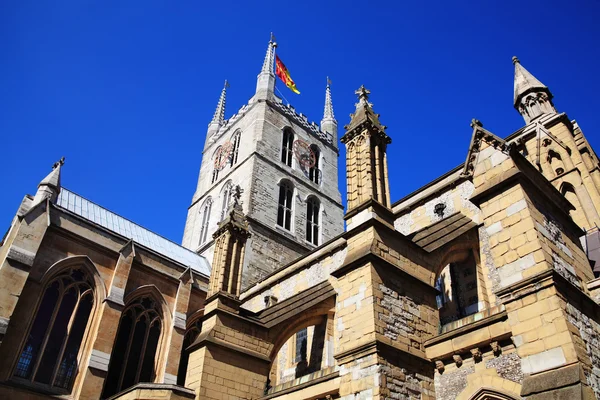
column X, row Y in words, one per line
column 223, row 155
column 304, row 154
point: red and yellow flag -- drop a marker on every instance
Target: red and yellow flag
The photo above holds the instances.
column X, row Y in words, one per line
column 283, row 74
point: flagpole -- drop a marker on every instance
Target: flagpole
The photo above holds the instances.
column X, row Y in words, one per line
column 286, row 100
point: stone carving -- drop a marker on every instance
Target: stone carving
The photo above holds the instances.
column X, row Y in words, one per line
column 457, row 360
column 439, row 365
column 476, row 353
column 496, row 348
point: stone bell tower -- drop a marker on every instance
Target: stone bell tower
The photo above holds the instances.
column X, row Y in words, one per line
column 287, row 168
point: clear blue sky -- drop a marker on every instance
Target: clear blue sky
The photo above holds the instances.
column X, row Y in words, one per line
column 125, row 89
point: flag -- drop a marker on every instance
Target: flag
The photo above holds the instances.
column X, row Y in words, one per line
column 283, row 74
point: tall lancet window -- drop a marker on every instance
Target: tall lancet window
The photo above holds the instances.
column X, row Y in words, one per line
column 226, row 199
column 235, row 148
column 284, row 211
column 314, row 173
column 51, row 354
column 205, row 220
column 133, row 356
column 287, row 147
column 312, row 220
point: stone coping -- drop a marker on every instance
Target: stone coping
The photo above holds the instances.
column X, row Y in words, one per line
column 478, row 316
column 156, row 386
column 499, row 314
column 302, row 382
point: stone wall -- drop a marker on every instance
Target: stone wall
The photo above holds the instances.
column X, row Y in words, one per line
column 589, row 332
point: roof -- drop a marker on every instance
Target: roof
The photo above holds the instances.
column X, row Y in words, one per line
column 435, row 236
column 115, row 223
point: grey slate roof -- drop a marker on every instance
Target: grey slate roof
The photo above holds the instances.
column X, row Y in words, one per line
column 121, row 226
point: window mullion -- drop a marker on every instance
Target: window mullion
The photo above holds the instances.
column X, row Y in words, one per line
column 65, row 339
column 143, row 350
column 48, row 331
column 126, row 358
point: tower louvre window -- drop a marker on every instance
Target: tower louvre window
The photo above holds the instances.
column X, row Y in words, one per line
column 205, row 220
column 312, row 220
column 226, row 195
column 51, row 354
column 235, row 148
column 284, row 212
column 287, row 147
column 136, row 345
column 314, row 173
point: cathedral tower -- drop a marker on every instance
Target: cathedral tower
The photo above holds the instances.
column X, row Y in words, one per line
column 287, row 168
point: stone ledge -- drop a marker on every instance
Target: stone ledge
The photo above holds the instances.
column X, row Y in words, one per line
column 302, row 382
column 179, row 390
column 554, row 379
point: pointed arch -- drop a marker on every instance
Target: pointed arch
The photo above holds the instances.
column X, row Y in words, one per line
column 235, row 140
column 287, row 146
column 141, row 341
column 225, row 198
column 313, row 220
column 285, row 206
column 59, row 332
column 216, row 159
column 205, row 211
column 314, row 172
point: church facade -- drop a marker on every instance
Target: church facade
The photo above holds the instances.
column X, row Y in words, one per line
column 479, row 285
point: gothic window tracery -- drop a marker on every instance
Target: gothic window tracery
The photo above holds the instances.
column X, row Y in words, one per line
column 236, row 147
column 312, row 220
column 136, row 346
column 287, row 152
column 314, row 173
column 216, row 162
column 51, row 354
column 205, row 220
column 226, row 199
column 190, row 337
column 284, row 211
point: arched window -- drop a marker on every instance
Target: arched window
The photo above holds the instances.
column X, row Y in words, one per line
column 133, row 356
column 284, row 211
column 314, row 173
column 312, row 220
column 205, row 220
column 225, row 199
column 216, row 164
column 556, row 162
column 190, row 337
column 51, row 354
column 236, row 146
column 286, row 147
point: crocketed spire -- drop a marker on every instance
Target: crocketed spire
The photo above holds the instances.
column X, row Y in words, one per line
column 328, row 123
column 265, row 82
column 328, row 112
column 49, row 187
column 531, row 97
column 219, row 115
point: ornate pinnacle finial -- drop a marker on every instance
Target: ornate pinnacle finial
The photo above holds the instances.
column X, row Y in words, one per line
column 515, row 60
column 476, row 122
column 219, row 116
column 363, row 96
column 328, row 113
column 270, row 56
column 59, row 163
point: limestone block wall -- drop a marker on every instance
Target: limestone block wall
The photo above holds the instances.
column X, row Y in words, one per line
column 270, row 141
column 421, row 214
column 577, row 163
